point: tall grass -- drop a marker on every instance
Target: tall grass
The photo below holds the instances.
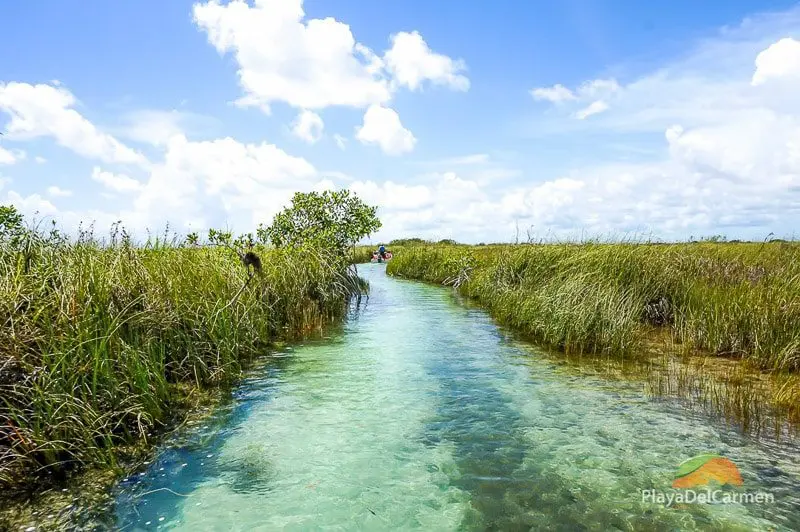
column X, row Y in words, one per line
column 100, row 341
column 738, row 300
column 362, row 254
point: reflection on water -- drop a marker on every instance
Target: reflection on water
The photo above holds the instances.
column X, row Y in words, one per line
column 419, row 414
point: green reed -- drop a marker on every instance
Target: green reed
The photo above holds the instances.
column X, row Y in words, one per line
column 102, row 343
column 739, row 300
column 735, row 305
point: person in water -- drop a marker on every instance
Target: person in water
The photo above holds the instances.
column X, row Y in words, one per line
column 382, row 252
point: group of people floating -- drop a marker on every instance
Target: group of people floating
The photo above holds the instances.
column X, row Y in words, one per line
column 381, row 255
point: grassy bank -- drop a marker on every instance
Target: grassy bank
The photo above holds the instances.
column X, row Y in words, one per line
column 101, row 344
column 738, row 300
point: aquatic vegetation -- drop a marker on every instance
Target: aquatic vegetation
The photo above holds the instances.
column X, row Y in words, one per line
column 758, row 403
column 735, row 300
column 104, row 342
column 677, row 307
column 361, row 254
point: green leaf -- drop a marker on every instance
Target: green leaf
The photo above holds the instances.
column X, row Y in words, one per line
column 693, row 464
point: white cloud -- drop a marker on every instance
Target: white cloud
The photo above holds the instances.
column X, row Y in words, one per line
column 393, row 196
column 33, row 205
column 543, row 201
column 780, row 61
column 720, row 150
column 730, row 164
column 309, row 65
column 316, row 63
column 195, row 185
column 116, row 182
column 593, row 95
column 40, row 160
column 47, row 111
column 556, row 94
column 763, row 152
column 58, row 192
column 587, row 91
column 411, row 62
column 219, row 183
column 732, row 151
column 341, row 142
column 209, row 182
column 308, row 126
column 592, row 109
column 478, row 167
column 440, row 205
column 10, row 157
column 598, row 87
column 382, row 126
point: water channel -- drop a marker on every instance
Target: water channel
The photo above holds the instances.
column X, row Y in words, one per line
column 419, row 413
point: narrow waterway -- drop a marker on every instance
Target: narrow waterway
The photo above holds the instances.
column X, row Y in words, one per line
column 420, row 414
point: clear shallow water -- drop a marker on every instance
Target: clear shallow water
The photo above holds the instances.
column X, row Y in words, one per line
column 419, row 414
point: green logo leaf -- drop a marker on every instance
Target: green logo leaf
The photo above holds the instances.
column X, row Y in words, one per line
column 693, row 464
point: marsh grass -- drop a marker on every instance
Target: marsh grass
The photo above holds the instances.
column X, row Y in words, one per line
column 103, row 343
column 734, row 302
column 758, row 403
column 362, row 254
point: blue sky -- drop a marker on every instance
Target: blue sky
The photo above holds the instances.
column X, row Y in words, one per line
column 462, row 120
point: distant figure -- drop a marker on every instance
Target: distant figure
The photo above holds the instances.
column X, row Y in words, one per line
column 381, row 255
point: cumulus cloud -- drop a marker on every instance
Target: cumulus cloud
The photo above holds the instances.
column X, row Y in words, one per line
column 440, row 205
column 116, row 182
column 382, row 126
column 722, row 128
column 780, row 61
column 731, row 149
column 194, row 185
column 317, row 63
column 47, row 111
column 32, row 205
column 731, row 157
column 308, row 126
column 309, row 65
column 393, row 196
column 203, row 183
column 411, row 62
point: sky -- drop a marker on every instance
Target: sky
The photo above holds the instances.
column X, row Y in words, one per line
column 476, row 121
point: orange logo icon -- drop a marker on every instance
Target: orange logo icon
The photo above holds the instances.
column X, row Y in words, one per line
column 705, row 469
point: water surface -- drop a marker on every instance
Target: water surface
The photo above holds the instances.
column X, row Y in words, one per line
column 420, row 414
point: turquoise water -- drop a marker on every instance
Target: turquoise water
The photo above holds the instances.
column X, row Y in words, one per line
column 420, row 414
